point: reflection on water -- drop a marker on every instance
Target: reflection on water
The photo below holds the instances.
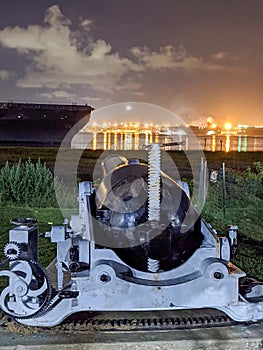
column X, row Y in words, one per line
column 242, row 143
column 135, row 141
column 227, row 143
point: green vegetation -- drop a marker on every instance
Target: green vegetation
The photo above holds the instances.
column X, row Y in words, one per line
column 243, row 208
column 46, row 217
column 29, row 184
column 234, row 160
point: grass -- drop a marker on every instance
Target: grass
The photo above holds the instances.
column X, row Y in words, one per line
column 234, row 160
column 250, row 242
column 46, row 217
column 244, row 209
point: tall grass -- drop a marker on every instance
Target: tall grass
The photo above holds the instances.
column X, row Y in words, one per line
column 33, row 185
column 244, row 208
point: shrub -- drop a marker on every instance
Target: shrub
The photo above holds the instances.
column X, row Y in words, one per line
column 33, row 185
column 244, row 193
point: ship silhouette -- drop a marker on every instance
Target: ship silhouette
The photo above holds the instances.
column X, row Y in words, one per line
column 41, row 125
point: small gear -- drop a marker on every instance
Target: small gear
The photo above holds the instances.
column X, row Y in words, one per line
column 12, row 250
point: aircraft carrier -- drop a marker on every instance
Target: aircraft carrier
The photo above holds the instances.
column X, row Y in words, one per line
column 42, row 125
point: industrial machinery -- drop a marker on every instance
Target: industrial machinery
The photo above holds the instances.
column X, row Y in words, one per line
column 137, row 244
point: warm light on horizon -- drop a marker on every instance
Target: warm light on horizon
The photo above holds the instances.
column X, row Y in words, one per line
column 228, row 126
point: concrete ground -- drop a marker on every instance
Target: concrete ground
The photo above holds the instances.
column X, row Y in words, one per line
column 240, row 337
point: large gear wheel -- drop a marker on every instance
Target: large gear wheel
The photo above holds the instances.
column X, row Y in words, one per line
column 29, row 290
column 12, row 250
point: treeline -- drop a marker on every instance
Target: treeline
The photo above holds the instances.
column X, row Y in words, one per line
column 33, row 185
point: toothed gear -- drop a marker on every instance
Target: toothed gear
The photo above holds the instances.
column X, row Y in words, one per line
column 12, row 250
column 29, row 291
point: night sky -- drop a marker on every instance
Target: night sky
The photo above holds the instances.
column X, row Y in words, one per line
column 197, row 58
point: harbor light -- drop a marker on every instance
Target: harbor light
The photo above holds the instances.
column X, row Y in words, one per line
column 228, row 126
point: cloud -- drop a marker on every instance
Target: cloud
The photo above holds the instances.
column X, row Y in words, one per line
column 170, row 57
column 55, row 18
column 60, row 94
column 86, row 24
column 220, row 55
column 4, row 74
column 56, row 60
column 60, row 57
column 89, row 98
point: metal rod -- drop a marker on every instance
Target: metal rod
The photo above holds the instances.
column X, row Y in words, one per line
column 224, row 188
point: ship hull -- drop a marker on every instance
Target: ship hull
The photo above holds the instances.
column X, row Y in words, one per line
column 41, row 125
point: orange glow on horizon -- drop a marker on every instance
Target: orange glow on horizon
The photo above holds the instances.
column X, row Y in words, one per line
column 228, row 126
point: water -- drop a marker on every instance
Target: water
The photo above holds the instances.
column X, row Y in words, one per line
column 135, row 141
column 227, row 143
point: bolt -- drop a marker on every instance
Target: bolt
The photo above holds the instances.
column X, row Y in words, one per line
column 218, row 275
column 104, row 278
